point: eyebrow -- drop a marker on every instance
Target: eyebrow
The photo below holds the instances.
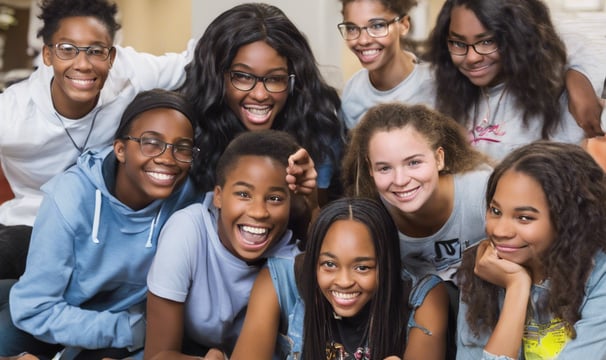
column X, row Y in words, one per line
column 519, row 208
column 250, row 69
column 403, row 160
column 251, row 186
column 478, row 36
column 357, row 259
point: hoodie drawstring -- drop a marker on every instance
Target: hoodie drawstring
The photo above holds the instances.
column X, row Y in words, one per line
column 97, row 216
column 148, row 244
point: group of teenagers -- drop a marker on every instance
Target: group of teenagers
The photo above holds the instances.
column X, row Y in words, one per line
column 226, row 202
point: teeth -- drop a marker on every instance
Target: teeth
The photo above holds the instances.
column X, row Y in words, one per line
column 258, row 110
column 370, row 52
column 254, row 230
column 343, row 295
column 405, row 193
column 82, row 82
column 161, row 176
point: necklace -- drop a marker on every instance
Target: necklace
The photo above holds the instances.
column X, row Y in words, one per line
column 349, row 345
column 90, row 130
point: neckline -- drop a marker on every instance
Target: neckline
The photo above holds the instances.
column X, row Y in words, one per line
column 90, row 130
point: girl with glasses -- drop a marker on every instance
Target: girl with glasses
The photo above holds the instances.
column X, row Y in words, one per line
column 374, row 31
column 253, row 70
column 94, row 238
column 501, row 71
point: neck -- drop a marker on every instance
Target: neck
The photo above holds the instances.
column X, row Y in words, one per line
column 69, row 108
column 390, row 75
column 432, row 216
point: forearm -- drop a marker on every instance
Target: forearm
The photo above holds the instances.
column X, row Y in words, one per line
column 506, row 337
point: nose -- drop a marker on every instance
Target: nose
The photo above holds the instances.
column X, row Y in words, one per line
column 81, row 61
column 401, row 177
column 500, row 228
column 166, row 157
column 472, row 55
column 343, row 278
column 259, row 92
column 364, row 37
column 258, row 208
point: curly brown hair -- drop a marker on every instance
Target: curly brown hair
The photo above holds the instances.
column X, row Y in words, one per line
column 575, row 189
column 438, row 129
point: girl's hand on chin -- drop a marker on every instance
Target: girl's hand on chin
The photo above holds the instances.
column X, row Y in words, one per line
column 492, row 268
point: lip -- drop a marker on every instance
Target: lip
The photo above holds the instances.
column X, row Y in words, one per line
column 507, row 249
column 366, row 56
column 478, row 71
column 253, row 237
column 161, row 178
column 406, row 195
column 257, row 114
column 345, row 298
column 82, row 84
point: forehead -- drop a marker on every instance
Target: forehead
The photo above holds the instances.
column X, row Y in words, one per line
column 348, row 238
column 516, row 189
column 162, row 121
column 365, row 10
column 401, row 140
column 255, row 169
column 464, row 22
column 259, row 56
column 82, row 30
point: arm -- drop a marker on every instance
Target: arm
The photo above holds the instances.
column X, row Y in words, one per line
column 583, row 103
column 164, row 331
column 506, row 338
column 37, row 301
column 257, row 339
column 433, row 316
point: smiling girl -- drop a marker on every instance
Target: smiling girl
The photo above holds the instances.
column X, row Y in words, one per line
column 357, row 305
column 536, row 288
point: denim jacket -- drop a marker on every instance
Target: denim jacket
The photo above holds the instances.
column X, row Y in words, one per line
column 292, row 310
column 590, row 342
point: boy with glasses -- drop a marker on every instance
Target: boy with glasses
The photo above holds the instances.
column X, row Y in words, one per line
column 71, row 104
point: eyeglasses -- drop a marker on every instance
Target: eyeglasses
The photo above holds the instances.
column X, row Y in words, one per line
column 274, row 83
column 152, row 147
column 482, row 47
column 377, row 28
column 67, row 51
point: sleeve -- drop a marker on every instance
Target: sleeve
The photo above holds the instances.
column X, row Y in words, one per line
column 584, row 54
column 590, row 342
column 417, row 296
column 178, row 251
column 151, row 71
column 37, row 301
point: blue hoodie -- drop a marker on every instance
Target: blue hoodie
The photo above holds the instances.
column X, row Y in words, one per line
column 85, row 279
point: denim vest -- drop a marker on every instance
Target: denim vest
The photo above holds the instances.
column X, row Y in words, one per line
column 292, row 309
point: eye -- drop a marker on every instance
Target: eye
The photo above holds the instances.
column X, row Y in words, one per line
column 275, row 198
column 184, row 149
column 242, row 194
column 457, row 44
column 526, row 218
column 242, row 77
column 363, row 268
column 97, row 51
column 494, row 211
column 152, row 143
column 328, row 264
column 383, row 169
column 414, row 162
column 351, row 29
column 67, row 49
column 276, row 79
column 378, row 25
column 487, row 42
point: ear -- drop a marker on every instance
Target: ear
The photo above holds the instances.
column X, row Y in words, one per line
column 404, row 25
column 46, row 55
column 217, row 198
column 112, row 57
column 120, row 150
column 440, row 158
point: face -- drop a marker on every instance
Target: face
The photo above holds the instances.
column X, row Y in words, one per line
column 257, row 108
column 255, row 206
column 518, row 221
column 347, row 267
column 141, row 179
column 77, row 82
column 481, row 70
column 374, row 53
column 404, row 167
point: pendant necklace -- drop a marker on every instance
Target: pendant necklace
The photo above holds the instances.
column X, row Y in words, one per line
column 90, row 130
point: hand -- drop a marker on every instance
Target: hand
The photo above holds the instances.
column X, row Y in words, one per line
column 583, row 104
column 20, row 357
column 492, row 268
column 301, row 176
column 215, row 354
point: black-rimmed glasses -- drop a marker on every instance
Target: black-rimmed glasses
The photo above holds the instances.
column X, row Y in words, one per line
column 151, row 147
column 377, row 29
column 67, row 51
column 244, row 81
column 482, row 47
